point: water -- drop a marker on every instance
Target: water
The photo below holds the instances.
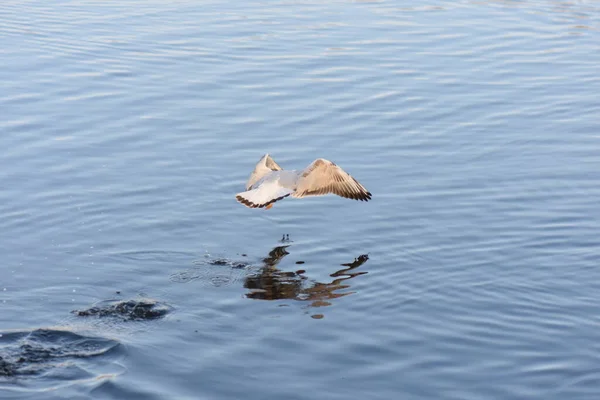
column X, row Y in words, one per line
column 127, row 128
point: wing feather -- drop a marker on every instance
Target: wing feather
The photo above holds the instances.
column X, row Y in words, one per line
column 262, row 196
column 265, row 165
column 323, row 177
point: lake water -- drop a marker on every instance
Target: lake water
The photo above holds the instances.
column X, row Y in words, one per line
column 128, row 127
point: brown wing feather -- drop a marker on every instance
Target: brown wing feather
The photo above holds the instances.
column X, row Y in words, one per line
column 271, row 164
column 323, row 177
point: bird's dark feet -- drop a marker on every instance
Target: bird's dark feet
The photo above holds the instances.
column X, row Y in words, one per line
column 285, row 238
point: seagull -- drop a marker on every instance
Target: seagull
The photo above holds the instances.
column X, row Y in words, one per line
column 269, row 183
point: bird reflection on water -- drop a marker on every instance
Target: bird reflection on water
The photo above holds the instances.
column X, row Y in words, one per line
column 271, row 283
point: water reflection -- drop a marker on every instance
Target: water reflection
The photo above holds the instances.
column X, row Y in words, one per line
column 271, row 283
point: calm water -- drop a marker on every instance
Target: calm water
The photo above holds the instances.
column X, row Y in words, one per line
column 127, row 128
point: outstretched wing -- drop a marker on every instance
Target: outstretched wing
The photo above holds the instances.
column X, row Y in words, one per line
column 263, row 167
column 323, row 176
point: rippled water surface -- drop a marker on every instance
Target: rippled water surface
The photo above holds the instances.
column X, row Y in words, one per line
column 128, row 270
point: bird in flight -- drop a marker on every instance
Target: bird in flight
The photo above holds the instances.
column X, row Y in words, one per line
column 269, row 183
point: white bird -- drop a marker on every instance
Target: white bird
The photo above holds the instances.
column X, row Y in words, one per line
column 269, row 183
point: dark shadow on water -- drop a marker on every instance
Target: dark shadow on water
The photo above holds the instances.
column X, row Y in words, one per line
column 270, row 283
column 34, row 361
column 127, row 310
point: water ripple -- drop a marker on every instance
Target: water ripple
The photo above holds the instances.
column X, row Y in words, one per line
column 128, row 127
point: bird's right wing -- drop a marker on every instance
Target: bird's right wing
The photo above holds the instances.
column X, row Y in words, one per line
column 265, row 165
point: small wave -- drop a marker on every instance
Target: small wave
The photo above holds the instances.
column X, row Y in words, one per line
column 215, row 272
column 128, row 310
column 59, row 354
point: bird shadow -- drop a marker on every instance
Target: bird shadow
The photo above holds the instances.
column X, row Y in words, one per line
column 271, row 283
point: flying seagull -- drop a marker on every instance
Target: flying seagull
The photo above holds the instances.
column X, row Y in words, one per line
column 269, row 183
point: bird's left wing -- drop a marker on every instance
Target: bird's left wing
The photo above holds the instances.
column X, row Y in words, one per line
column 323, row 176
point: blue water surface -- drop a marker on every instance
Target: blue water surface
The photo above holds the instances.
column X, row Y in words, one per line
column 128, row 127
